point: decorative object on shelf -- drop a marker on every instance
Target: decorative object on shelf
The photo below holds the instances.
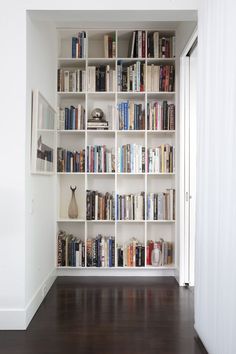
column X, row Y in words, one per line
column 97, row 120
column 73, row 207
column 43, row 135
column 156, row 255
column 97, row 114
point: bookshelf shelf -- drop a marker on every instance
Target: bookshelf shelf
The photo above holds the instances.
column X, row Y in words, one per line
column 71, row 131
column 71, row 220
column 114, row 183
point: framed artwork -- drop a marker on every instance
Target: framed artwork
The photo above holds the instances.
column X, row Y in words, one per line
column 43, row 136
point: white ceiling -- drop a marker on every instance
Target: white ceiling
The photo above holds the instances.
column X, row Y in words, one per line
column 113, row 18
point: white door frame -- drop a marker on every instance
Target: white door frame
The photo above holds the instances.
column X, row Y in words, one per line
column 184, row 251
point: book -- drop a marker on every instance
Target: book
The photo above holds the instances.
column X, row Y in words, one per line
column 130, row 77
column 131, row 254
column 160, row 206
column 161, row 159
column 101, row 78
column 70, row 250
column 165, row 252
column 160, row 78
column 137, row 45
column 71, row 80
column 100, row 206
column 130, row 206
column 160, row 45
column 100, row 159
column 71, row 118
column 160, row 115
column 109, row 46
column 70, row 161
column 101, row 251
column 78, row 45
column 131, row 158
column 131, row 116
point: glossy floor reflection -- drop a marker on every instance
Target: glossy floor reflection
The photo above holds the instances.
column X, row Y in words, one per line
column 107, row 315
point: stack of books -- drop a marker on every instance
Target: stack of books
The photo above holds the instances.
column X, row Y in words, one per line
column 101, row 78
column 71, row 80
column 131, row 116
column 159, row 46
column 70, row 161
column 101, row 251
column 70, row 250
column 160, row 78
column 131, row 254
column 165, row 248
column 130, row 206
column 160, row 116
column 100, row 159
column 97, row 124
column 131, row 158
column 137, row 45
column 130, row 77
column 161, row 206
column 109, row 46
column 71, row 118
column 79, row 45
column 161, row 159
column 100, row 206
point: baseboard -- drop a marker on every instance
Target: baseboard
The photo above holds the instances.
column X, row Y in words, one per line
column 12, row 319
column 124, row 272
column 19, row 319
column 38, row 297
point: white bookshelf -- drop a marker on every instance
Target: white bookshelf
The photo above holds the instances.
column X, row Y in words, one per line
column 122, row 230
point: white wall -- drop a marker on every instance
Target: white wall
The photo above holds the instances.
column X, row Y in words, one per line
column 40, row 190
column 183, row 34
column 17, row 282
column 215, row 291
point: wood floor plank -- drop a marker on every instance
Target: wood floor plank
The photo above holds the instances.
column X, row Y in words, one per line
column 109, row 315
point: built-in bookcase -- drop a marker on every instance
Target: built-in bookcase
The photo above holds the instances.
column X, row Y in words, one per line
column 113, row 138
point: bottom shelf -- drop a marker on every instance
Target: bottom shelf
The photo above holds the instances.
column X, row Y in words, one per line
column 170, row 266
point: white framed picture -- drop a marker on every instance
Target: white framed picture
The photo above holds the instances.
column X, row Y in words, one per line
column 43, row 136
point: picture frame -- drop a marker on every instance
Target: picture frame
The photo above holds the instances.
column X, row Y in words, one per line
column 43, row 135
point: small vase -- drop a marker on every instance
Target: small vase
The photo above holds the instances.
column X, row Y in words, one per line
column 73, row 207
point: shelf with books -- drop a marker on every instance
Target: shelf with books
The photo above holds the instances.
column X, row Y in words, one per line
column 120, row 182
column 102, row 43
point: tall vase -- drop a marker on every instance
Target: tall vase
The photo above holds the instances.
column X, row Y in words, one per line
column 73, row 207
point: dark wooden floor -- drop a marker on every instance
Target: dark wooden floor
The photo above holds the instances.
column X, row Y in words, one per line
column 109, row 316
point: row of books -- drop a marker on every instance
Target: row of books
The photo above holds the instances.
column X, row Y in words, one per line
column 160, row 116
column 101, row 78
column 131, row 254
column 137, row 45
column 71, row 80
column 131, row 158
column 160, row 78
column 130, row 206
column 159, row 253
column 100, row 206
column 100, row 159
column 159, row 46
column 71, row 118
column 70, row 161
column 161, row 206
column 101, row 251
column 79, row 45
column 131, row 116
column 161, row 159
column 130, row 77
column 109, row 46
column 70, row 250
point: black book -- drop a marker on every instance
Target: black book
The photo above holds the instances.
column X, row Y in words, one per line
column 165, row 115
column 102, row 78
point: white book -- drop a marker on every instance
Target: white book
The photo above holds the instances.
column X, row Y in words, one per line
column 140, row 44
column 108, row 78
column 106, row 37
column 149, row 81
column 96, row 206
column 140, row 207
column 74, row 82
column 156, row 44
column 66, row 81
